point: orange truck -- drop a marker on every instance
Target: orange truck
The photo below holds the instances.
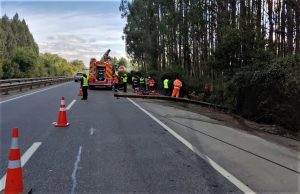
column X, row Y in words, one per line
column 101, row 72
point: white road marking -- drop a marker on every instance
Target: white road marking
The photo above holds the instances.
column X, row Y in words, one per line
column 244, row 188
column 92, row 130
column 70, row 105
column 25, row 157
column 31, row 93
column 74, row 180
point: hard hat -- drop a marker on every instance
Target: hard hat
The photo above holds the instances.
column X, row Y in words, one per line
column 125, row 74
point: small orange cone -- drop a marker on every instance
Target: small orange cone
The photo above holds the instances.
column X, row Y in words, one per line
column 14, row 178
column 62, row 115
column 80, row 92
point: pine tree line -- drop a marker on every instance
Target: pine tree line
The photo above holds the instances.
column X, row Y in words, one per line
column 243, row 47
column 14, row 34
column 189, row 33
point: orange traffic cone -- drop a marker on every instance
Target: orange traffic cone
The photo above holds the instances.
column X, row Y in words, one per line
column 62, row 115
column 80, row 92
column 14, row 179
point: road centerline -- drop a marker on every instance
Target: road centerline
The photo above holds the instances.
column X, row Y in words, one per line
column 70, row 105
column 24, row 159
column 74, row 180
column 92, row 130
column 243, row 187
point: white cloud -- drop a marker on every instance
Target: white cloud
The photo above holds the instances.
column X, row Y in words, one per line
column 75, row 47
column 73, row 31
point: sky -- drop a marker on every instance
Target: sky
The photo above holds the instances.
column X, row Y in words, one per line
column 72, row 29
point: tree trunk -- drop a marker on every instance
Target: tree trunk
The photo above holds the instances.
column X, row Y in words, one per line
column 282, row 28
column 298, row 28
column 270, row 18
column 233, row 13
column 290, row 29
column 258, row 18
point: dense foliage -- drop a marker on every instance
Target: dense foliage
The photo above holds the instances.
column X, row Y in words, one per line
column 248, row 50
column 20, row 54
column 122, row 61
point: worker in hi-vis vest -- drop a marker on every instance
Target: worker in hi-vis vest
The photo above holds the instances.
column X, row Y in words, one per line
column 177, row 85
column 142, row 83
column 84, row 85
column 116, row 83
column 124, row 80
column 151, row 84
column 166, row 87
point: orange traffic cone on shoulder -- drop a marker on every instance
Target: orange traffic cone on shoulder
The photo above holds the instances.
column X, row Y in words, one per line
column 14, row 178
column 62, row 115
column 80, row 92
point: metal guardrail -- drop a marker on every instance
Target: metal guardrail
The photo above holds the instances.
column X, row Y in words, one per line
column 29, row 83
column 159, row 97
column 10, row 81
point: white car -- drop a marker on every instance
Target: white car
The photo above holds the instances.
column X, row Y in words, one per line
column 78, row 76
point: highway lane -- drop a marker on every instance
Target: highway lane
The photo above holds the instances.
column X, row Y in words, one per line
column 33, row 115
column 110, row 146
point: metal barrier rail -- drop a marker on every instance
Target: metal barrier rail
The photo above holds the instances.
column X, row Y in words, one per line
column 4, row 89
column 169, row 98
column 10, row 81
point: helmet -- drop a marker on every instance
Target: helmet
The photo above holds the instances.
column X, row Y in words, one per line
column 125, row 74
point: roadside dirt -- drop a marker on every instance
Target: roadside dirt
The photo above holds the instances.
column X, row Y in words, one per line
column 237, row 122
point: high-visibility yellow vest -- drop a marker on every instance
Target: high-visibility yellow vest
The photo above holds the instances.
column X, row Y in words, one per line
column 142, row 80
column 124, row 79
column 84, row 81
column 166, row 83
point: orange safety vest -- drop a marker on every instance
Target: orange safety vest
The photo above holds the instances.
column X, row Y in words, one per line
column 116, row 80
column 177, row 84
column 151, row 83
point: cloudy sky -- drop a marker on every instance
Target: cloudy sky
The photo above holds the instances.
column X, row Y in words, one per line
column 72, row 29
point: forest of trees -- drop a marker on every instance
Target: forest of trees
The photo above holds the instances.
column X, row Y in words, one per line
column 20, row 54
column 247, row 49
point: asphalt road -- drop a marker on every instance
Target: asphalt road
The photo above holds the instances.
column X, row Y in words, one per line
column 113, row 146
column 110, row 146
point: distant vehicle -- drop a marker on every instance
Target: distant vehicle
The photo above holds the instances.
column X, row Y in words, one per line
column 78, row 76
column 101, row 72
